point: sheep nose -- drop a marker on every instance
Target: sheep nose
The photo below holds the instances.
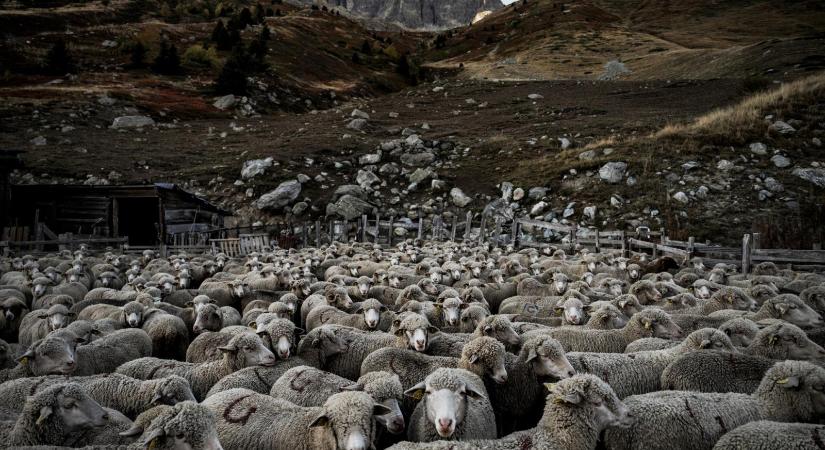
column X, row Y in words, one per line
column 445, row 423
column 70, row 363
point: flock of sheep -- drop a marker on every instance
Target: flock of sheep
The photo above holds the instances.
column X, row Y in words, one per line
column 426, row 345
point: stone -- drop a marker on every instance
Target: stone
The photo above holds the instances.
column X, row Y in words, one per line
column 303, row 178
column 780, row 161
column 758, row 148
column 681, row 197
column 300, row 208
column 535, row 96
column 506, row 190
column 420, row 175
column 631, row 180
column 569, row 210
column 438, row 185
column 417, row 159
column 702, row 192
column 369, row 158
column 349, row 189
column 616, row 201
column 349, row 207
column 588, row 155
column 358, row 114
column 357, row 124
column 105, row 100
column 255, row 167
column 773, row 185
column 590, row 212
column 459, row 198
column 227, row 101
column 39, row 141
column 499, row 210
column 783, row 127
column 724, row 165
column 814, row 175
column 389, row 168
column 690, row 165
column 438, row 88
column 132, row 122
column 537, row 193
column 764, row 195
column 538, row 208
column 413, row 140
column 565, row 143
column 282, row 196
column 366, row 178
column 518, row 194
column 612, row 172
column 400, row 231
column 817, row 142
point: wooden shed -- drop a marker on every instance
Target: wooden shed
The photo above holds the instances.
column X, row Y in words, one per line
column 147, row 214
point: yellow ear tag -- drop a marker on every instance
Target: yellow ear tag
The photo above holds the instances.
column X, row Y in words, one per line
column 782, row 381
column 558, row 400
column 152, row 444
column 549, row 386
column 418, row 395
column 647, row 325
column 24, row 360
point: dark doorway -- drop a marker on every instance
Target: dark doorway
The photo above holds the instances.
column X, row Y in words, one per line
column 138, row 219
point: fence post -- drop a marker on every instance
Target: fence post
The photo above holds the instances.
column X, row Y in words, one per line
column 598, row 246
column 757, row 241
column 691, row 246
column 662, row 236
column 318, row 233
column 364, row 225
column 513, row 231
column 746, row 254
column 455, row 225
column 516, row 233
column 377, row 228
column 305, row 236
column 574, row 234
column 331, row 231
column 469, row 226
column 420, row 228
column 481, row 230
column 392, row 234
column 625, row 250
column 497, row 232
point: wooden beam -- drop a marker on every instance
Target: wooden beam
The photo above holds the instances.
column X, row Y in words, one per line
column 746, row 254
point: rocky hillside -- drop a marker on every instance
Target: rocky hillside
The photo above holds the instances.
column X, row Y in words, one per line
column 413, row 14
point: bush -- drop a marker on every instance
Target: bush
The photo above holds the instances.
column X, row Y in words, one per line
column 137, row 56
column 232, row 79
column 58, row 60
column 198, row 56
column 167, row 62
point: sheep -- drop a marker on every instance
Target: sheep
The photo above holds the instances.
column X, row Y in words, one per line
column 37, row 324
column 471, row 316
column 483, row 356
column 787, row 307
column 310, row 386
column 725, row 298
column 243, row 350
column 645, row 292
column 129, row 315
column 119, row 392
column 332, row 296
column 57, row 415
column 211, row 317
column 783, row 340
column 367, row 317
column 187, row 425
column 315, row 350
column 517, row 401
column 648, row 344
column 51, row 355
column 498, row 327
column 814, row 297
column 715, row 372
column 789, row 392
column 767, row 435
column 576, row 412
column 12, row 310
column 648, row 323
column 640, row 372
column 170, row 337
column 9, row 354
column 741, row 331
column 249, row 420
column 605, row 317
column 224, row 293
column 453, row 406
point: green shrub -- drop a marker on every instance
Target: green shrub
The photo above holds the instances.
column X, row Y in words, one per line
column 198, row 56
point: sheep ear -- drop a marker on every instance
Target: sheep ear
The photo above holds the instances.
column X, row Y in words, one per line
column 380, row 410
column 351, row 387
column 573, row 398
column 648, row 324
column 473, row 359
column 463, row 305
column 45, row 412
column 781, row 307
column 396, row 323
column 623, row 303
column 157, row 399
column 135, row 430
column 550, row 386
column 151, row 439
column 705, row 343
column 321, row 421
column 359, row 310
column 253, row 325
column 416, row 392
column 472, row 392
column 228, row 349
column 531, row 355
column 788, row 383
column 488, row 329
column 24, row 358
column 383, row 308
column 432, row 329
column 190, row 304
column 772, row 339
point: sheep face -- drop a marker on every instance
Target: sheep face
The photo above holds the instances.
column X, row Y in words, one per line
column 339, row 298
column 786, row 341
column 372, row 314
column 790, row 309
column 709, row 339
column 428, row 286
column 736, row 301
column 471, row 317
column 239, row 288
column 57, row 317
column 739, row 336
column 248, row 350
column 501, row 329
column 350, row 416
column 560, row 283
column 588, row 391
column 445, row 402
column 75, row 409
column 451, row 310
column 611, row 317
column 133, row 316
column 393, row 421
column 39, row 286
column 658, row 324
column 208, row 318
column 486, row 357
column 172, row 392
column 547, row 358
column 718, row 276
column 572, row 310
column 364, row 285
column 52, row 356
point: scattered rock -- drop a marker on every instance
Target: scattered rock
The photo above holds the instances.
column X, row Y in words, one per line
column 616, row 200
column 303, row 178
column 565, row 143
column 357, row 124
column 366, row 178
column 369, row 158
column 758, row 148
column 535, row 96
column 702, row 192
column 724, row 165
column 783, row 127
column 506, row 190
column 518, row 194
column 39, row 141
column 590, row 212
column 438, row 88
column 438, row 185
column 780, row 161
column 817, row 142
column 814, row 175
column 389, row 168
column 417, row 159
column 300, row 208
column 569, row 210
column 225, row 102
column 588, row 155
column 681, row 197
column 255, row 167
column 538, row 208
column 349, row 189
column 772, row 185
column 690, row 165
column 420, row 175
column 400, row 231
column 459, row 198
column 613, row 172
column 105, row 100
column 537, row 193
column 357, row 113
column 132, row 122
column 349, row 207
column 282, row 196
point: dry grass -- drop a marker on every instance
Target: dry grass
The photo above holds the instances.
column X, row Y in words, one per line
column 740, row 122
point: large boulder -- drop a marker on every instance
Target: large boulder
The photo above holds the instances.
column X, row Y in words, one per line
column 814, row 175
column 613, row 172
column 227, row 101
column 255, row 167
column 132, row 122
column 349, row 189
column 283, row 195
column 349, row 207
column 417, row 159
column 459, row 198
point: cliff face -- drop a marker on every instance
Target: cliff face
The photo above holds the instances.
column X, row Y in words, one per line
column 416, row 14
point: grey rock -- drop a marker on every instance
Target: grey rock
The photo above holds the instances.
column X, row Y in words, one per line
column 758, row 148
column 438, row 185
column 105, row 100
column 132, row 122
column 400, row 231
column 303, row 178
column 690, row 165
column 613, row 70
column 535, row 96
column 459, row 198
column 227, row 101
column 772, row 185
column 358, row 114
column 369, row 158
column 590, row 212
column 39, row 141
column 389, row 168
column 518, row 194
column 357, row 124
column 780, row 161
column 724, row 165
column 499, row 210
column 420, row 175
column 613, row 172
column 300, row 208
column 565, row 143
column 366, row 178
column 681, row 197
column 349, row 189
column 814, row 175
column 764, row 195
column 783, row 127
column 506, row 190
column 537, row 193
column 588, row 155
column 702, row 192
column 282, row 196
column 538, row 208
column 569, row 210
column 417, row 159
column 349, row 207
column 816, row 141
column 616, row 201
column 255, row 167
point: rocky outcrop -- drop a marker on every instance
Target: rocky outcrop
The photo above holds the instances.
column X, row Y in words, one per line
column 416, row 14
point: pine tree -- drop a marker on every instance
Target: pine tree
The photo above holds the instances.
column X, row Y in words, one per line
column 221, row 37
column 232, row 79
column 265, row 34
column 138, row 55
column 167, row 62
column 366, row 48
column 58, row 61
column 245, row 18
